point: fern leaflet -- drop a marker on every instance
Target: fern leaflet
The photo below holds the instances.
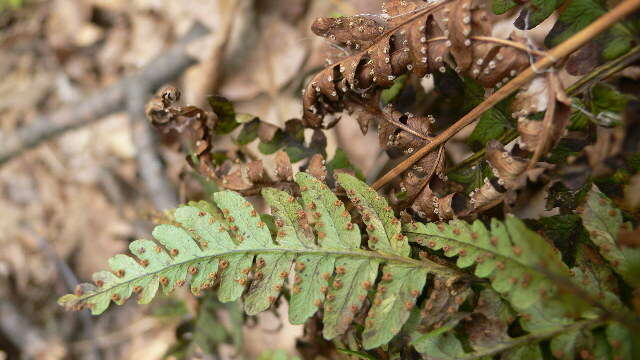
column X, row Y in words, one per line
column 236, row 250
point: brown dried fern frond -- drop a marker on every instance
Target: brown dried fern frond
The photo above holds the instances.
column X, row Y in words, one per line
column 411, row 37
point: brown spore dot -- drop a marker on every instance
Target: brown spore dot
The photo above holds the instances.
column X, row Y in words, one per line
column 408, row 305
column 517, row 251
column 120, row 273
column 193, row 270
column 174, row 252
column 115, row 297
column 300, row 266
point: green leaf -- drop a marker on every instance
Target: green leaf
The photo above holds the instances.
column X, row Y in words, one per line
column 603, row 221
column 493, row 123
column 439, row 344
column 383, row 227
column 502, row 6
column 231, row 243
column 576, row 16
column 607, row 98
column 223, row 109
column 249, row 132
column 341, row 161
column 511, row 255
column 388, row 95
column 536, row 11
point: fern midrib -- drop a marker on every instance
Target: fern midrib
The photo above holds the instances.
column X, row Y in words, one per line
column 387, row 258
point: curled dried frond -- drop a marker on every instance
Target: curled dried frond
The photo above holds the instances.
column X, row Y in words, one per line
column 412, row 37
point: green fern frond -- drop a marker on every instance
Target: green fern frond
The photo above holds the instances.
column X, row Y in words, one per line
column 234, row 247
column 603, row 222
column 509, row 254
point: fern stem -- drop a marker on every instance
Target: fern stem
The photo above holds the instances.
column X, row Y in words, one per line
column 386, row 258
column 553, row 56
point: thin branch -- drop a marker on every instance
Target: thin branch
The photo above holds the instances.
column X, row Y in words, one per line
column 101, row 102
column 554, row 55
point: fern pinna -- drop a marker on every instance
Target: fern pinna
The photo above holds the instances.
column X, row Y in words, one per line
column 230, row 246
column 234, row 246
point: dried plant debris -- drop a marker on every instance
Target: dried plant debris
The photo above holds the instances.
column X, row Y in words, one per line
column 411, row 37
column 222, row 167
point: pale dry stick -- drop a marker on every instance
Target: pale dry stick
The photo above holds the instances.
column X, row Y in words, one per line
column 102, row 102
column 554, row 55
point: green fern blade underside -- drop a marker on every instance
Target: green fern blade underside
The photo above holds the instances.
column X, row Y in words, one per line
column 232, row 247
column 514, row 258
column 604, row 221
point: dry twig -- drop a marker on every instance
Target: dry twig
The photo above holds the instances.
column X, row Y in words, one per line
column 102, row 102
